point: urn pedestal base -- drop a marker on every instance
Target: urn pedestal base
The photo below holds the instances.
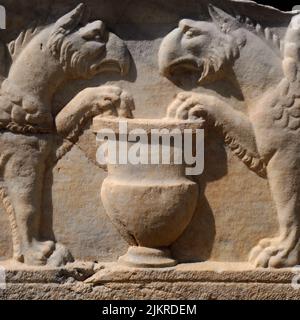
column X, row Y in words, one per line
column 142, row 257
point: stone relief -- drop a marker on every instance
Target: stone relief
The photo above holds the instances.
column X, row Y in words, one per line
column 62, row 80
column 266, row 138
column 32, row 137
column 116, row 230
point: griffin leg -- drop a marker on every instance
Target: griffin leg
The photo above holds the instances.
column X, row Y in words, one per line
column 23, row 178
column 284, row 179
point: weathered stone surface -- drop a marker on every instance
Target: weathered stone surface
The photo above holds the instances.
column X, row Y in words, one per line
column 142, row 26
column 67, row 70
column 209, row 281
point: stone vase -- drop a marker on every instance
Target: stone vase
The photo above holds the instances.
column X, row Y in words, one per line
column 150, row 204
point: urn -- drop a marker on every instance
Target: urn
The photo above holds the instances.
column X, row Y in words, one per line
column 149, row 200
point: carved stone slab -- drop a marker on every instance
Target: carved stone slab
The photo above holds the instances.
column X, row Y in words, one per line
column 69, row 70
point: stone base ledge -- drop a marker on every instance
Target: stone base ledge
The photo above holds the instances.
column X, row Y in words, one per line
column 110, row 281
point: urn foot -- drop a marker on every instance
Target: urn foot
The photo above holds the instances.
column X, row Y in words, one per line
column 142, row 257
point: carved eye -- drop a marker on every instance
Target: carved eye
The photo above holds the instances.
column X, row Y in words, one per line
column 191, row 33
column 93, row 31
column 92, row 35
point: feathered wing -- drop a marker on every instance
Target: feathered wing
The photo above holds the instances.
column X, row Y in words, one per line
column 4, row 55
column 287, row 105
column 3, row 61
column 4, row 156
column 16, row 46
column 8, row 55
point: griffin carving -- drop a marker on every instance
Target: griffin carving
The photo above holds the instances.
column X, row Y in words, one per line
column 266, row 69
column 32, row 136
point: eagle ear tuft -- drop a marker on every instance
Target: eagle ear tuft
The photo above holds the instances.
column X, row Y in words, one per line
column 64, row 26
column 223, row 20
column 70, row 21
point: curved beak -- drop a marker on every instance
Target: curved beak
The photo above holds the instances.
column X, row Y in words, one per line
column 172, row 57
column 169, row 51
column 117, row 57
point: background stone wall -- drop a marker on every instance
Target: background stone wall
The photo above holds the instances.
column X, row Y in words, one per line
column 235, row 209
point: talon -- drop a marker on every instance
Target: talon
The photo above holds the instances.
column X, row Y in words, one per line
column 275, row 253
column 183, row 95
column 255, row 253
column 198, row 112
column 48, row 248
column 183, row 115
column 38, row 252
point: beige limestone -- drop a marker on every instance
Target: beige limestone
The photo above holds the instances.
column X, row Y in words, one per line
column 266, row 138
column 230, row 67
column 108, row 281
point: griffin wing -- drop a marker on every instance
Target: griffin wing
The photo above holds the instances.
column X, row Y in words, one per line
column 4, row 116
column 287, row 104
